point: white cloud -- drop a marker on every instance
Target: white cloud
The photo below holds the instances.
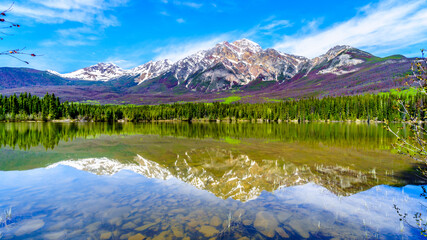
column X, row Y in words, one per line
column 269, row 26
column 389, row 25
column 177, row 51
column 180, row 20
column 276, row 24
column 125, row 64
column 93, row 15
column 188, row 4
column 88, row 12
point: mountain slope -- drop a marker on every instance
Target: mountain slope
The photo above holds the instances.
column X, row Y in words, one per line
column 241, row 67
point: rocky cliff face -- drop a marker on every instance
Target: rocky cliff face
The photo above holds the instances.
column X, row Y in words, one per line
column 237, row 63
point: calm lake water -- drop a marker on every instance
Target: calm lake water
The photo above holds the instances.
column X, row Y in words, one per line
column 204, row 181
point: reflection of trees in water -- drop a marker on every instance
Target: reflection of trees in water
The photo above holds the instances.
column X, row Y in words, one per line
column 27, row 135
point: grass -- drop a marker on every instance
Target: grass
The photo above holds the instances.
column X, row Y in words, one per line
column 401, row 93
column 230, row 99
column 272, row 99
column 93, row 102
column 377, row 59
column 231, row 140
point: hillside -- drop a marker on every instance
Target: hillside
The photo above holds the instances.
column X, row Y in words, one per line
column 241, row 68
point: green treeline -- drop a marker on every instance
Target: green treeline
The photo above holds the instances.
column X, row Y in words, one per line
column 363, row 107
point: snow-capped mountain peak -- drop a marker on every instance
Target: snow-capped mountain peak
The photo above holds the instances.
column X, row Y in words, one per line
column 248, row 45
column 226, row 65
column 98, row 72
column 151, row 70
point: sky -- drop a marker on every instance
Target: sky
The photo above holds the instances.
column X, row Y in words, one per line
column 72, row 34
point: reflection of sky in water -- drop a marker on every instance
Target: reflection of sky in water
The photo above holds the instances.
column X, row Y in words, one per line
column 63, row 202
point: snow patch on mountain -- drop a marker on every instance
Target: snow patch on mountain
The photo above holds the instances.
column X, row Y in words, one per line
column 151, row 70
column 225, row 65
column 340, row 62
column 98, row 72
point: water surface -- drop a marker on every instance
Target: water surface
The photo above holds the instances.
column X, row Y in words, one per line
column 202, row 181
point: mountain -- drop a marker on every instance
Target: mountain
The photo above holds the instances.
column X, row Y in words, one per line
column 98, row 72
column 218, row 68
column 230, row 64
column 151, row 70
column 240, row 67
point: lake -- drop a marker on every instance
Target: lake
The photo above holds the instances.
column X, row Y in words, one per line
column 204, row 181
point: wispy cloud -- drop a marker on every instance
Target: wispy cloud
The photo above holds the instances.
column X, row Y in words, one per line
column 180, row 20
column 89, row 12
column 125, row 64
column 276, row 24
column 176, row 51
column 74, row 37
column 184, row 3
column 269, row 26
column 390, row 24
column 93, row 15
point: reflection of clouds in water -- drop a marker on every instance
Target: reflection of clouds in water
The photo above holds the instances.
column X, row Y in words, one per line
column 373, row 208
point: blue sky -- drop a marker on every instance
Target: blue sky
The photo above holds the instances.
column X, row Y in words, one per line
column 72, row 34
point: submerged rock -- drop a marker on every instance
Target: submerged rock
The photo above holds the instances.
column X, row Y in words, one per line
column 282, row 233
column 129, row 225
column 146, row 226
column 162, row 236
column 138, row 236
column 106, row 235
column 247, row 222
column 300, row 227
column 215, row 221
column 208, row 231
column 178, row 232
column 266, row 223
column 55, row 235
column 29, row 227
column 93, row 227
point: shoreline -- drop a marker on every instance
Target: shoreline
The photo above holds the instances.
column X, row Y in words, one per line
column 358, row 121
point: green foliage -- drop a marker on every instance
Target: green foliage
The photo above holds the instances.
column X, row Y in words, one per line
column 410, row 92
column 230, row 99
column 362, row 107
column 272, row 99
column 378, row 59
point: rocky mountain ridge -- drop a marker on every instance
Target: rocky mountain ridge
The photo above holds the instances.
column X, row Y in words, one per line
column 224, row 66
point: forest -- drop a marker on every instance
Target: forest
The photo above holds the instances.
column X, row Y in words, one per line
column 367, row 107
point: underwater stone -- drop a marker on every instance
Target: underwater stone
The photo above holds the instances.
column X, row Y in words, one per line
column 177, row 231
column 29, row 227
column 129, row 225
column 138, row 236
column 55, row 235
column 299, row 227
column 243, row 238
column 282, row 233
column 142, row 228
column 208, row 231
column 93, row 227
column 106, row 235
column 266, row 223
column 215, row 221
column 247, row 222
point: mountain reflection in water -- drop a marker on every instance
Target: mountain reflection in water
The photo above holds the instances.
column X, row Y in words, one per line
column 224, row 181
